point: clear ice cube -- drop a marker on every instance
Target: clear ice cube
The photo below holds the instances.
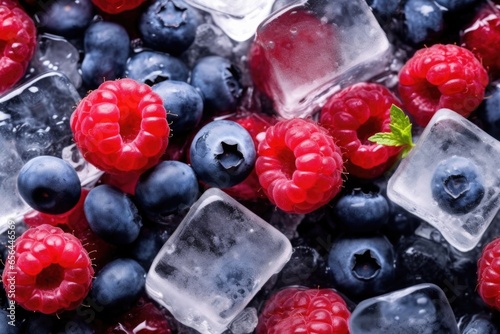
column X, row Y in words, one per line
column 311, row 49
column 450, row 136
column 237, row 18
column 420, row 309
column 34, row 120
column 217, row 259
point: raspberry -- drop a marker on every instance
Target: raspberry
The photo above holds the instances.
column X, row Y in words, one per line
column 17, row 43
column 121, row 127
column 117, row 6
column 441, row 76
column 299, row 166
column 482, row 37
column 489, row 274
column 52, row 271
column 302, row 310
column 352, row 116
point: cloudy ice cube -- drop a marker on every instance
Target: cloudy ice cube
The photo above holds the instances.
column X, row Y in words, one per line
column 449, row 145
column 214, row 263
column 420, row 309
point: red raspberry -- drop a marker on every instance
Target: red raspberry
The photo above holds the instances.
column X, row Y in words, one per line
column 52, row 271
column 117, row 6
column 489, row 274
column 442, row 76
column 121, row 127
column 17, row 43
column 256, row 124
column 482, row 37
column 299, row 166
column 352, row 116
column 302, row 310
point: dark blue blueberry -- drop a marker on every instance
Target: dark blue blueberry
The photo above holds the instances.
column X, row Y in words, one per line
column 68, row 18
column 479, row 324
column 151, row 67
column 222, row 153
column 169, row 26
column 184, row 105
column 489, row 112
column 236, row 281
column 8, row 325
column 118, row 285
column 112, row 215
column 49, row 184
column 423, row 20
column 384, row 7
column 145, row 248
column 107, row 46
column 453, row 5
column 361, row 210
column 41, row 323
column 362, row 266
column 219, row 83
column 168, row 188
column 456, row 185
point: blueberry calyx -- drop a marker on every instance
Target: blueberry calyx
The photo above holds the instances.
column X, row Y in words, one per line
column 456, row 185
column 230, row 157
column 172, row 14
column 365, row 266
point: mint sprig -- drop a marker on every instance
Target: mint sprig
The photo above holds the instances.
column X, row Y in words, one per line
column 400, row 134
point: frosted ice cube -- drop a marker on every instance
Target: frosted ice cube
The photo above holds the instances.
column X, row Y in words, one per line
column 34, row 120
column 238, row 18
column 449, row 137
column 419, row 309
column 218, row 258
column 308, row 50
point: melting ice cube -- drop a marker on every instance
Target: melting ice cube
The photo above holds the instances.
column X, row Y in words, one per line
column 451, row 179
column 214, row 263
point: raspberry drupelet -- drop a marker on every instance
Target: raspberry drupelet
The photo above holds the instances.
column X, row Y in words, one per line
column 52, row 271
column 441, row 76
column 117, row 6
column 121, row 127
column 299, row 166
column 352, row 116
column 488, row 274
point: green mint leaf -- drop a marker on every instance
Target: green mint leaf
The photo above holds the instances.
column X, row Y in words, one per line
column 400, row 134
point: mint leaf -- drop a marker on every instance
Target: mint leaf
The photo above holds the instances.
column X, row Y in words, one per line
column 400, row 134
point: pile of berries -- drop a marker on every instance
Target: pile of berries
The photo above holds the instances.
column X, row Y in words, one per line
column 165, row 117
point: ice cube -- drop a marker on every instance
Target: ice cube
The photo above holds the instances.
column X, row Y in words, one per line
column 306, row 51
column 451, row 179
column 237, row 18
column 34, row 120
column 217, row 259
column 419, row 309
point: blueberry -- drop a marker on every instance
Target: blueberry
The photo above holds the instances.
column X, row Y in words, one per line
column 361, row 210
column 151, row 67
column 384, row 7
column 40, row 323
column 457, row 185
column 362, row 266
column 145, row 248
column 423, row 19
column 219, row 83
column 5, row 327
column 168, row 188
column 169, row 26
column 453, row 5
column 184, row 105
column 489, row 113
column 107, row 47
column 68, row 18
column 222, row 153
column 118, row 285
column 112, row 215
column 49, row 184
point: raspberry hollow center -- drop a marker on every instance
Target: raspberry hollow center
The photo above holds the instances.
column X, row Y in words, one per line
column 130, row 123
column 50, row 277
column 287, row 159
column 368, row 129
